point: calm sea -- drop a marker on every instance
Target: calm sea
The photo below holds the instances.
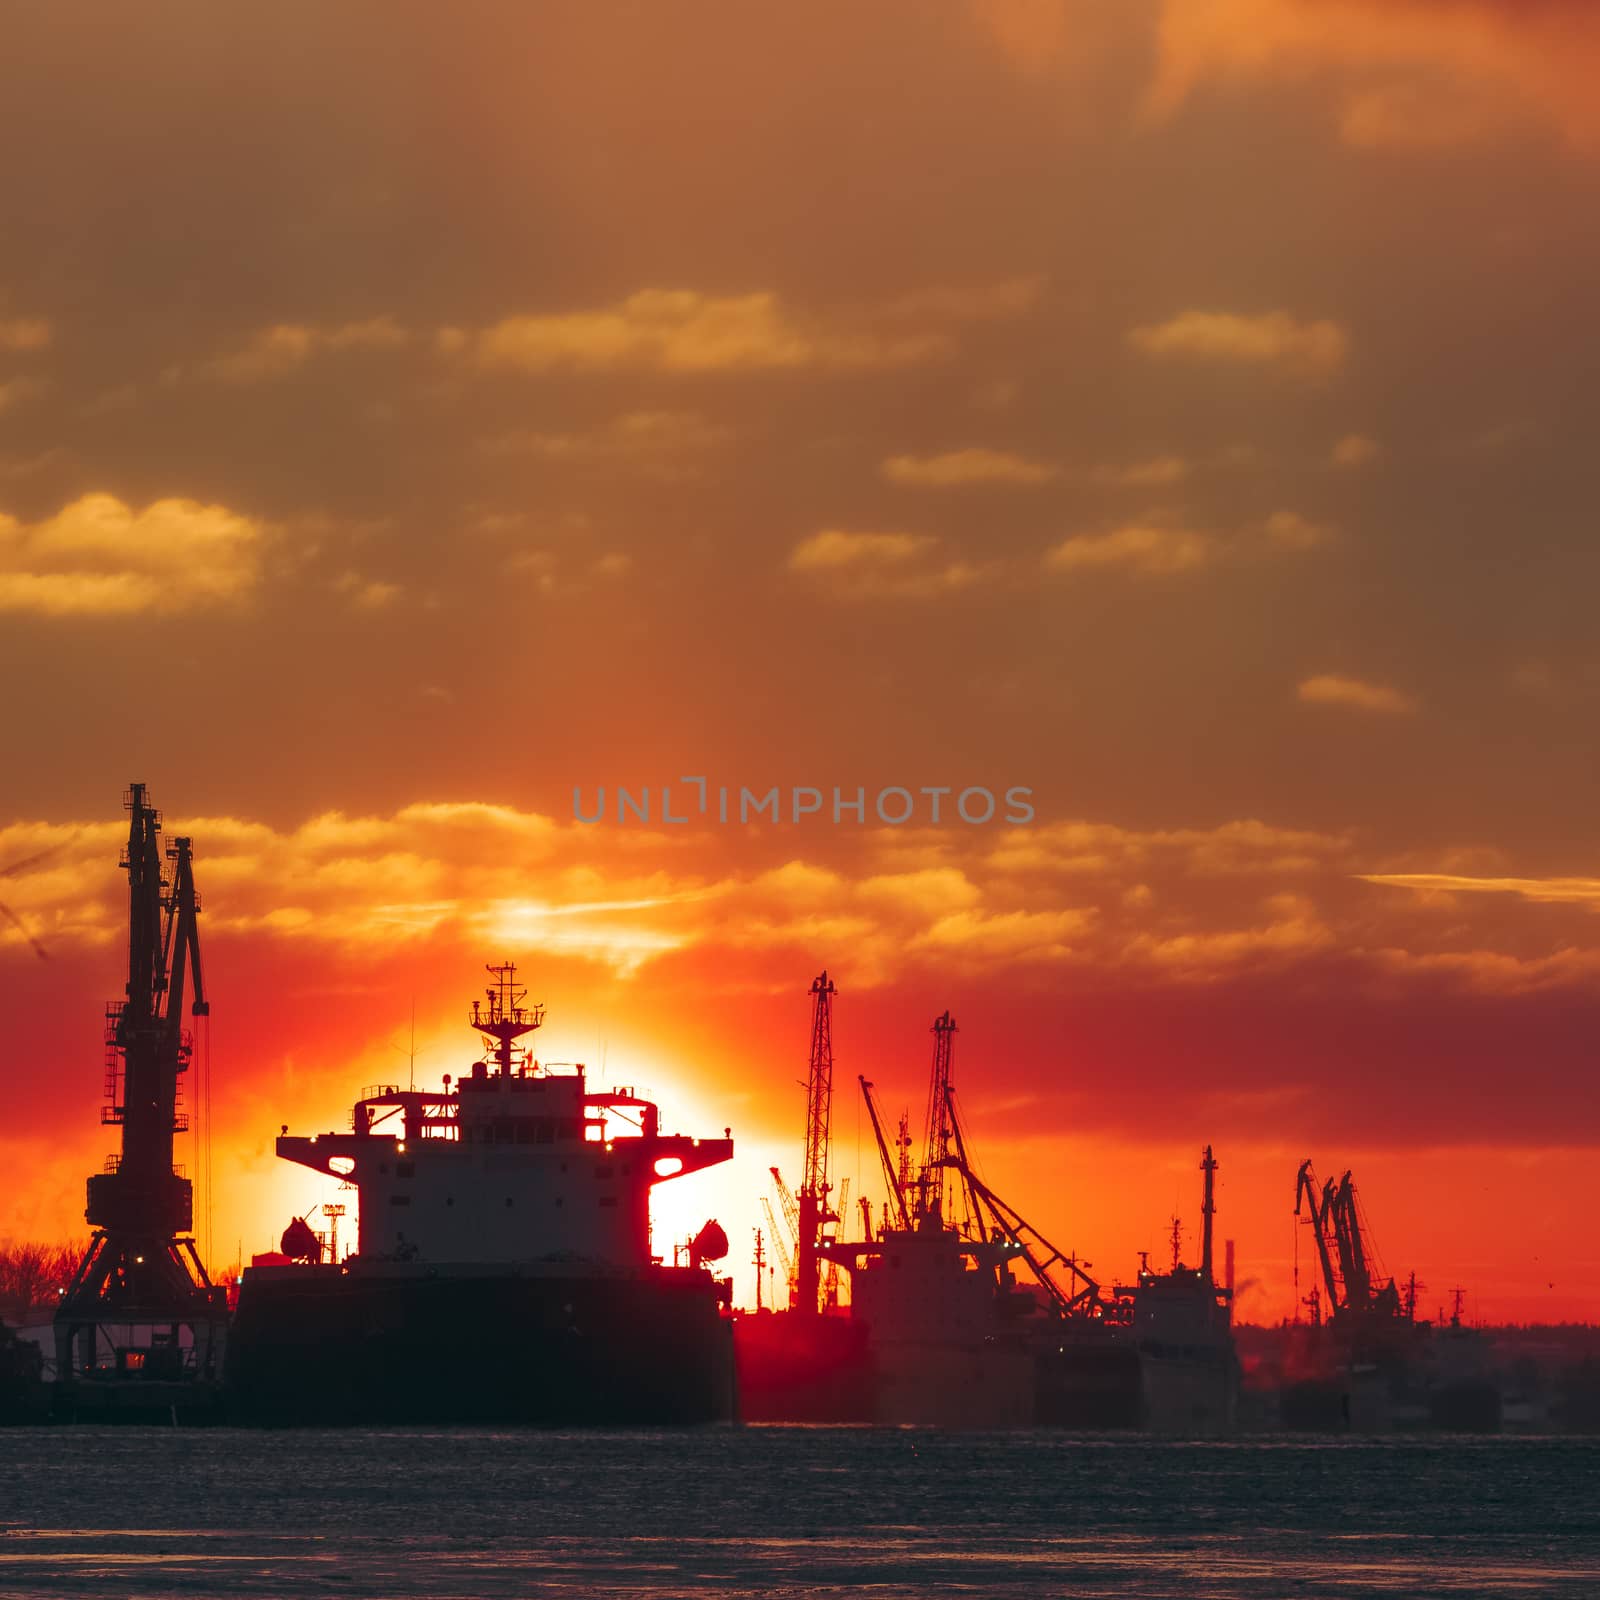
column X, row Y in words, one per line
column 790, row 1511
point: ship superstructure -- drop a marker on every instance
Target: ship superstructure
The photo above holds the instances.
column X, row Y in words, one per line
column 514, row 1162
column 1183, row 1330
column 504, row 1268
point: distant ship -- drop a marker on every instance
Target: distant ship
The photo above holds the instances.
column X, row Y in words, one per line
column 1183, row 1331
column 504, row 1270
column 1365, row 1361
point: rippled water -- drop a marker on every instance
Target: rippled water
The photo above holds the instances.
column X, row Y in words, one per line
column 788, row 1512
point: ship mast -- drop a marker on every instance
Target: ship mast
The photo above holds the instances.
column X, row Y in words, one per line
column 1208, row 1209
column 502, row 1018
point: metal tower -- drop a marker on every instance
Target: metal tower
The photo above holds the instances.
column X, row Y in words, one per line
column 930, row 1199
column 501, row 1016
column 814, row 1210
column 1208, row 1209
column 141, row 1306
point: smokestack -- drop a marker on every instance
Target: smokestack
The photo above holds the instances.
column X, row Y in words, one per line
column 1227, row 1265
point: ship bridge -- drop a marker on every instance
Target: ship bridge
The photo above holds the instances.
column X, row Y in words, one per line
column 512, row 1163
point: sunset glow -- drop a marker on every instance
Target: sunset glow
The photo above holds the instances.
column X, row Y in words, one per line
column 1179, row 410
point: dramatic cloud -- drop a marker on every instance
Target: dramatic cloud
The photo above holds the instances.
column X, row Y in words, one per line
column 100, row 557
column 1478, row 62
column 959, row 467
column 1272, row 339
column 678, row 330
column 1541, row 891
column 1330, row 689
column 1182, row 905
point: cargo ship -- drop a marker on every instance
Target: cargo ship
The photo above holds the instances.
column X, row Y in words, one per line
column 967, row 1319
column 504, row 1270
column 955, row 1311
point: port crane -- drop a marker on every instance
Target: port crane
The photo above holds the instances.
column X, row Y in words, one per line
column 780, row 1242
column 918, row 1201
column 809, row 1212
column 140, row 1306
column 813, row 1211
column 791, row 1206
column 992, row 1216
column 1352, row 1291
column 896, row 1179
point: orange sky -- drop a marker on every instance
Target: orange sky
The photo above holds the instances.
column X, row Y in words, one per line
column 1179, row 409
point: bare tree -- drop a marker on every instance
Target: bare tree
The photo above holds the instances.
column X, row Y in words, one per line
column 32, row 1275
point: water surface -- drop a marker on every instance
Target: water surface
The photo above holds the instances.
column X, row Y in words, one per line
column 772, row 1511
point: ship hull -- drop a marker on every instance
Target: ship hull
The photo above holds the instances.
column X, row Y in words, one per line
column 562, row 1347
column 803, row 1369
column 1189, row 1396
column 981, row 1386
column 1087, row 1383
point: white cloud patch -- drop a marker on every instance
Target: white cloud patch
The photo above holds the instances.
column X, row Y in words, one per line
column 1314, row 349
column 1541, row 891
column 1333, row 689
column 682, row 331
column 1417, row 74
column 100, row 557
column 863, row 566
column 1157, row 549
column 958, row 468
column 1144, row 549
